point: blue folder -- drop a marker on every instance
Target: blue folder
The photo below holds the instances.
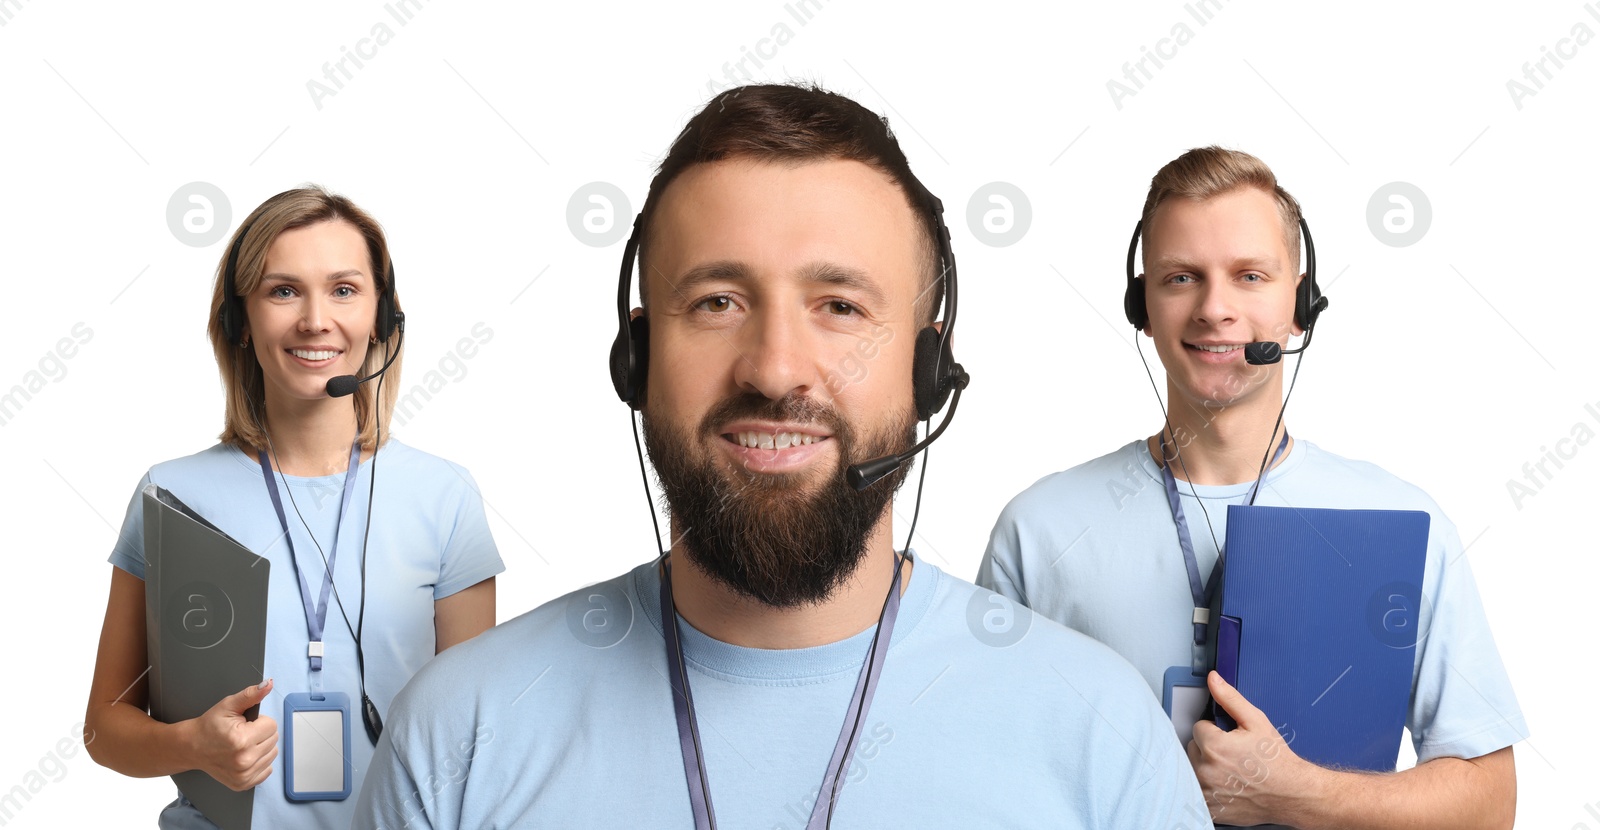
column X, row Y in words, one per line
column 1318, row 622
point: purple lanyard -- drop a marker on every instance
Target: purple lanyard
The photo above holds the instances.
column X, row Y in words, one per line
column 1202, row 594
column 318, row 615
column 694, row 765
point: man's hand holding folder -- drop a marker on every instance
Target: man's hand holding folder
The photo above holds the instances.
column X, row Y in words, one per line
column 1248, row 775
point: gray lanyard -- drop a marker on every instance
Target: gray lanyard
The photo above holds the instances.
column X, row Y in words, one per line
column 694, row 765
column 316, row 615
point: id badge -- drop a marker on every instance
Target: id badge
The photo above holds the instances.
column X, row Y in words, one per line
column 316, row 741
column 1184, row 697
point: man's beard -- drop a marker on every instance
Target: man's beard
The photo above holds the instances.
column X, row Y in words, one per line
column 762, row 534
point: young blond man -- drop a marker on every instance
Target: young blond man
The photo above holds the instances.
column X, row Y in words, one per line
column 1097, row 547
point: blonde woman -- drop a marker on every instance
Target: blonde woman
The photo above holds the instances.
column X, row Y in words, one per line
column 304, row 295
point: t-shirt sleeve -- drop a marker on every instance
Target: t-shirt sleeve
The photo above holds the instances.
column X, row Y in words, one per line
column 390, row 795
column 1463, row 705
column 128, row 551
column 1001, row 568
column 470, row 555
column 1169, row 798
column 421, row 769
column 1169, row 795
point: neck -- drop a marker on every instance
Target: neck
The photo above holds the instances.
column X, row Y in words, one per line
column 724, row 614
column 310, row 438
column 1221, row 445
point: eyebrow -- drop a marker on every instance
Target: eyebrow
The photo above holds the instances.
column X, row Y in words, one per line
column 824, row 273
column 337, row 275
column 1172, row 263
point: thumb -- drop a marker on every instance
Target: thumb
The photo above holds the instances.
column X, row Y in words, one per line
column 1234, row 703
column 242, row 700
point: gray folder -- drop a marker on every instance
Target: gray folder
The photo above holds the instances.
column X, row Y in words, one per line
column 205, row 601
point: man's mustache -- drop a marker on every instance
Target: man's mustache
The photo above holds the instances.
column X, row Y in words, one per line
column 794, row 407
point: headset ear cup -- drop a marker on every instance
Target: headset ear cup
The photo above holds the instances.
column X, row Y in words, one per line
column 1133, row 303
column 640, row 328
column 388, row 315
column 1308, row 303
column 1302, row 305
column 232, row 314
column 619, row 367
column 929, row 390
column 629, row 368
column 1310, row 315
column 385, row 316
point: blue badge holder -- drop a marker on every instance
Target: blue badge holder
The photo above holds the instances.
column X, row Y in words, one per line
column 1178, row 677
column 1185, row 699
column 311, row 770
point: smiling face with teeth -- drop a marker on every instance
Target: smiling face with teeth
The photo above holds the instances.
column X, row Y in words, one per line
column 1219, row 275
column 765, row 281
column 314, row 311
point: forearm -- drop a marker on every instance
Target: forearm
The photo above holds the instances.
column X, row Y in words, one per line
column 126, row 739
column 1443, row 793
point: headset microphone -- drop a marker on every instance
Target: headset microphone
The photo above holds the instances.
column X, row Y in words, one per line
column 864, row 475
column 1264, row 353
column 1268, row 352
column 342, row 385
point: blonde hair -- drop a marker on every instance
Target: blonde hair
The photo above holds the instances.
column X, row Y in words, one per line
column 1204, row 172
column 244, row 413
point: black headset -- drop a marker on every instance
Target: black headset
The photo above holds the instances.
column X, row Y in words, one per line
column 934, row 371
column 232, row 317
column 1308, row 300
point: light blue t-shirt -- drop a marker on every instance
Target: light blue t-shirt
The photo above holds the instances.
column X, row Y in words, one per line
column 563, row 717
column 1095, row 548
column 429, row 540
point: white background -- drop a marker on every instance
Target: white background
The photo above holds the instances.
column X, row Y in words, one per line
column 1451, row 362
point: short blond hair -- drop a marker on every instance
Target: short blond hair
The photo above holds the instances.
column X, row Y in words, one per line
column 1204, row 172
column 244, row 413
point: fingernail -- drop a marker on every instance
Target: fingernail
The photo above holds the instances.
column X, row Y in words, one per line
column 264, row 683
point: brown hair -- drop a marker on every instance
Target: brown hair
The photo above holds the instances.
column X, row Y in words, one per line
column 794, row 123
column 1205, row 172
column 244, row 413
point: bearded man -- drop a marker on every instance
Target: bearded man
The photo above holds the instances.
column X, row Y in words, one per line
column 804, row 673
